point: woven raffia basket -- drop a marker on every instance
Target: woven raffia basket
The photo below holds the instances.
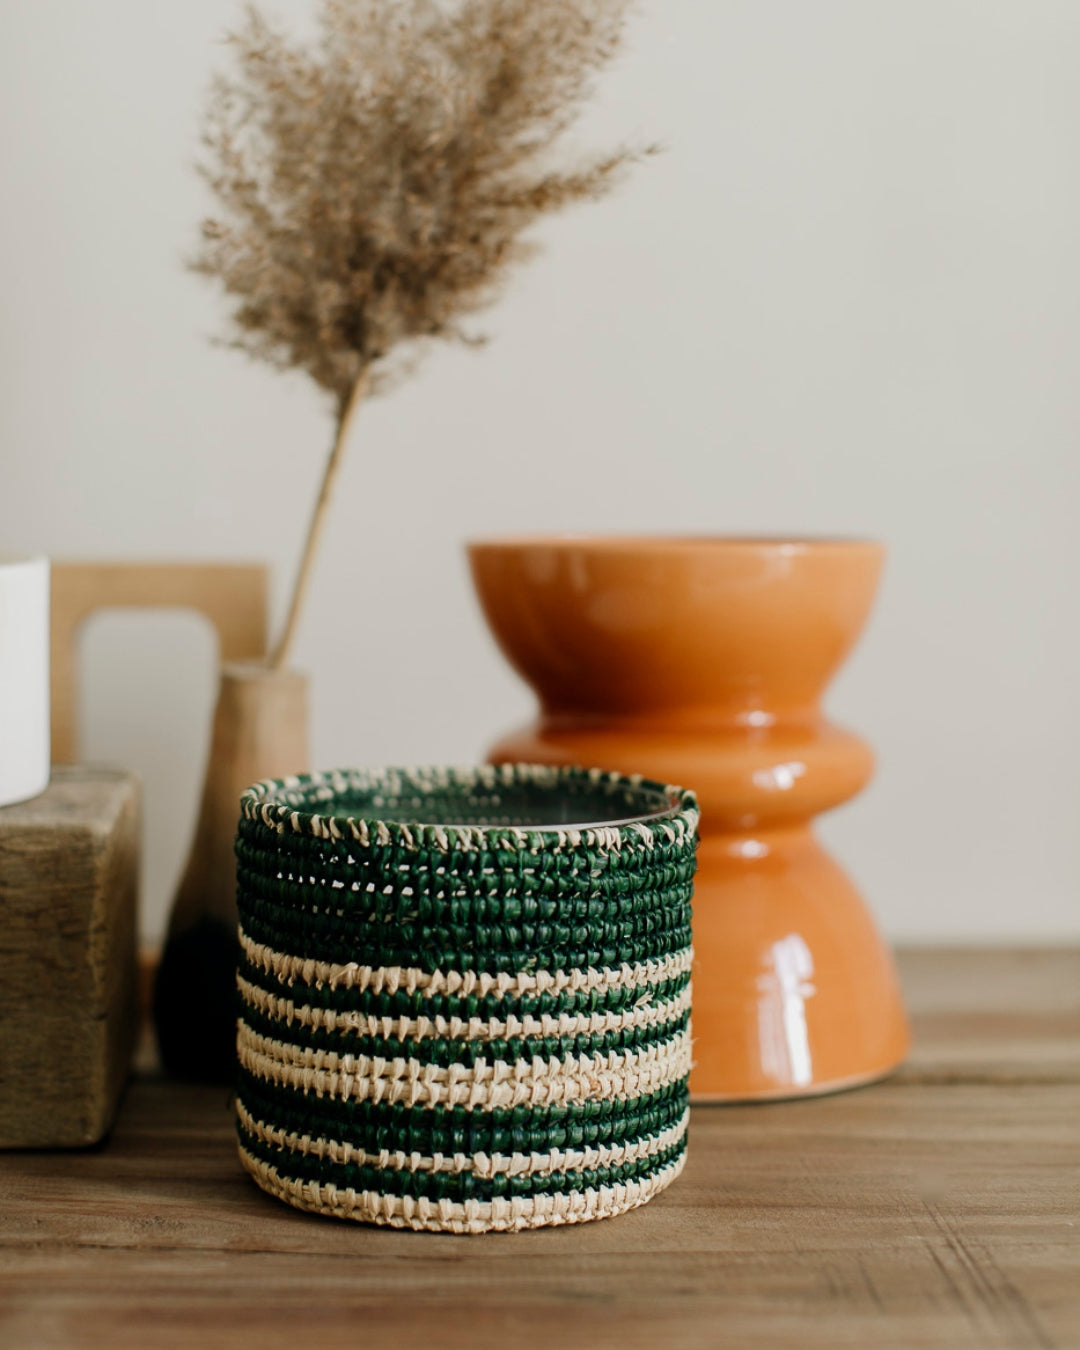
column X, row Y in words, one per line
column 480, row 1021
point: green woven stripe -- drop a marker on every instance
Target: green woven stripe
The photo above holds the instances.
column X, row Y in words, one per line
column 449, row 1130
column 445, row 1052
column 456, row 1186
column 539, row 869
column 327, row 938
column 287, row 902
column 330, row 923
column 322, row 938
column 576, row 891
column 481, row 1164
column 487, row 1007
column 646, row 1012
column 405, row 902
column 524, row 849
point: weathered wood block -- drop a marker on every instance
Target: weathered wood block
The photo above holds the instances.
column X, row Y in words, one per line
column 69, row 866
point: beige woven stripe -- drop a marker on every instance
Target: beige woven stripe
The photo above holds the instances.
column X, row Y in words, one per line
column 481, row 1165
column 471, row 1216
column 390, row 979
column 638, row 1018
column 486, row 1085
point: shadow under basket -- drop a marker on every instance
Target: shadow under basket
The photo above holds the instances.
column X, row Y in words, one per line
column 465, row 994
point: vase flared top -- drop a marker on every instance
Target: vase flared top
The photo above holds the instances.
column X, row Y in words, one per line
column 633, row 625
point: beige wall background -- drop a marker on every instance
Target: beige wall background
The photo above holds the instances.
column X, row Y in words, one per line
column 846, row 300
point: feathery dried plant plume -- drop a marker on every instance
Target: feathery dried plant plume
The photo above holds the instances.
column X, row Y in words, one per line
column 374, row 186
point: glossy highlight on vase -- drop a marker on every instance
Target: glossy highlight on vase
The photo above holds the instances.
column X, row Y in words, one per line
column 704, row 661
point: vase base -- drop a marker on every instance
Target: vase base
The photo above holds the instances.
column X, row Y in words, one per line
column 791, row 1094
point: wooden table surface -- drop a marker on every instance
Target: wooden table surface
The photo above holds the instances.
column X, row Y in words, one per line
column 941, row 1208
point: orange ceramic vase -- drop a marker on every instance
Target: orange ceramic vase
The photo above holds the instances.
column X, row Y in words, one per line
column 702, row 662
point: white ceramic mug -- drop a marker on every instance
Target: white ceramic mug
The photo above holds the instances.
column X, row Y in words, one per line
column 24, row 678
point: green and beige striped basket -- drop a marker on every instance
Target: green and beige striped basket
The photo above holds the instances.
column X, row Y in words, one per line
column 462, row 1007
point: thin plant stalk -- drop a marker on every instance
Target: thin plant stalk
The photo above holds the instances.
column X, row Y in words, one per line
column 280, row 654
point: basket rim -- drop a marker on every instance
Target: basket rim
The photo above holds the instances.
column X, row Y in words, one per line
column 262, row 804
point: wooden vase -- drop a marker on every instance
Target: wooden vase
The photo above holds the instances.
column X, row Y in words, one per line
column 702, row 662
column 260, row 731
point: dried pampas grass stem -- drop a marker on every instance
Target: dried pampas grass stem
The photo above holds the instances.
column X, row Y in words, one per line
column 280, row 654
column 373, row 188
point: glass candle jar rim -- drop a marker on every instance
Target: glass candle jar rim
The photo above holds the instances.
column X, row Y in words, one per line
column 614, row 823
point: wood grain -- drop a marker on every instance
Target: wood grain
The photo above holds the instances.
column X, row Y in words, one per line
column 69, row 866
column 231, row 595
column 996, row 1016
column 938, row 1209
